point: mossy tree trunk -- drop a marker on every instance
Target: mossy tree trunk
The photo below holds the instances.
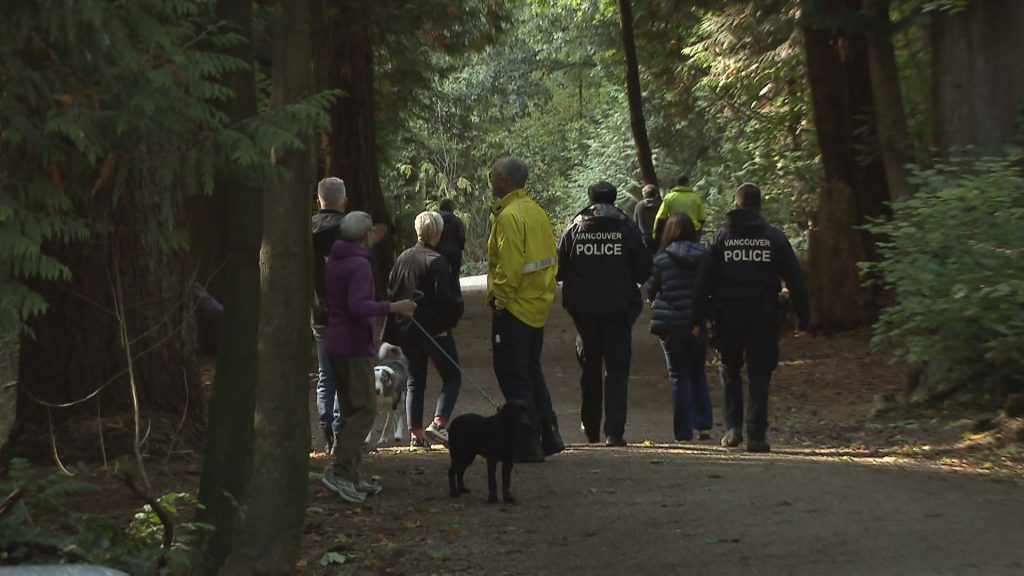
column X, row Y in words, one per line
column 276, row 507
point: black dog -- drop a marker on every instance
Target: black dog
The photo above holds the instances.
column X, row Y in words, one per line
column 493, row 437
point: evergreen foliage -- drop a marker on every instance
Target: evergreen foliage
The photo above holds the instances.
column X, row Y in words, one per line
column 953, row 258
column 40, row 527
column 106, row 103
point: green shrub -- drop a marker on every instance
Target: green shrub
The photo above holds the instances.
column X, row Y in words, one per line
column 952, row 258
column 39, row 528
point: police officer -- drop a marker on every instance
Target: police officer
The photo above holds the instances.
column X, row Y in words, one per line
column 741, row 276
column 601, row 259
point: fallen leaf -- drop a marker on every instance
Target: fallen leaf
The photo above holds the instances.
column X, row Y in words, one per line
column 333, row 558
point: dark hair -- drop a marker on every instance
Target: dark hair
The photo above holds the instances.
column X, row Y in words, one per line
column 682, row 180
column 678, row 227
column 748, row 196
column 446, row 205
column 602, row 192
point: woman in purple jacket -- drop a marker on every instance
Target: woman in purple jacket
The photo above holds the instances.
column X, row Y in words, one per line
column 351, row 346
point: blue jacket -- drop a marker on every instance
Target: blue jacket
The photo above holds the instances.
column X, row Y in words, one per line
column 672, row 287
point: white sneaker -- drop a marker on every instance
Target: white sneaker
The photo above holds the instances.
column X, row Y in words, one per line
column 369, row 488
column 343, row 488
column 437, row 433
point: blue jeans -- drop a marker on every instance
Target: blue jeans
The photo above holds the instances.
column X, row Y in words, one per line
column 327, row 405
column 691, row 402
column 419, row 350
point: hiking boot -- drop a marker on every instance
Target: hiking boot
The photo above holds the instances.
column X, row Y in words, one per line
column 369, row 488
column 328, row 436
column 343, row 488
column 438, row 433
column 703, row 434
column 530, row 451
column 733, row 437
column 615, row 441
column 758, row 446
column 551, row 440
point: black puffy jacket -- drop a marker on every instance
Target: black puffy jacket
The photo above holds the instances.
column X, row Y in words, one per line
column 326, row 229
column 673, row 285
column 601, row 259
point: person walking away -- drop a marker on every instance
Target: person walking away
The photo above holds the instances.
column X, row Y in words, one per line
column 741, row 275
column 521, row 269
column 422, row 269
column 351, row 347
column 681, row 199
column 672, row 290
column 332, row 201
column 453, row 239
column 645, row 211
column 601, row 259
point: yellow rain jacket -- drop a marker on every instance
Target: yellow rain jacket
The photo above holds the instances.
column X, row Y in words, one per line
column 521, row 259
column 685, row 200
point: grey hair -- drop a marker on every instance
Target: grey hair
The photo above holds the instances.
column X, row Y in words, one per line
column 428, row 225
column 355, row 226
column 513, row 169
column 331, row 192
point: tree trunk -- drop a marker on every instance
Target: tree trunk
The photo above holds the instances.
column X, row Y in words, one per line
column 837, row 71
column 978, row 75
column 278, row 491
column 73, row 367
column 893, row 136
column 635, row 96
column 227, row 459
column 353, row 139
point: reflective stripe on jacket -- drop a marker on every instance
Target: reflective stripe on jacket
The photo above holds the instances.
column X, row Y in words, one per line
column 521, row 259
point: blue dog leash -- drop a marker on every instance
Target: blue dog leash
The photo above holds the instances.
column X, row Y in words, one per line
column 416, row 295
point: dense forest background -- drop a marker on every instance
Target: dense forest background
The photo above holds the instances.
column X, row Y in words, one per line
column 151, row 146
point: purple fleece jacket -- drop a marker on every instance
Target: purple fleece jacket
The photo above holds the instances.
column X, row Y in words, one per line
column 351, row 324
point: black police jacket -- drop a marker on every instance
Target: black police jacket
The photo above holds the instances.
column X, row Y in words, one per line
column 601, row 259
column 422, row 269
column 745, row 260
column 326, row 229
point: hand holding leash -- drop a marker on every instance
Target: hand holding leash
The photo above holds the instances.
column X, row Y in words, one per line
column 403, row 307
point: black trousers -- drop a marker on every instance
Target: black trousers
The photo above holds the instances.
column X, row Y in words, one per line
column 604, row 349
column 516, row 352
column 746, row 331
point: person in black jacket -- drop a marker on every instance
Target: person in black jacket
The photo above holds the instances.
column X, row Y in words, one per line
column 422, row 269
column 741, row 277
column 453, row 239
column 331, row 201
column 672, row 289
column 601, row 259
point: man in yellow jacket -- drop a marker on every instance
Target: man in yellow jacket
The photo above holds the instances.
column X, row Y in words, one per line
column 681, row 199
column 521, row 268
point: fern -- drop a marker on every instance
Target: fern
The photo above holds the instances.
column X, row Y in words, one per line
column 110, row 104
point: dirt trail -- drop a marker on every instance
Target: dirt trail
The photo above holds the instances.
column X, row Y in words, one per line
column 814, row 506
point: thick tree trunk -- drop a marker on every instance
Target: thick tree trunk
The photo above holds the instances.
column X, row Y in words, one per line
column 635, row 96
column 837, row 71
column 353, row 138
column 73, row 368
column 278, row 491
column 893, row 136
column 227, row 459
column 978, row 75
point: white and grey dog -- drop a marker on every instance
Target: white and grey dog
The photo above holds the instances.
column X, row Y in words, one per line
column 391, row 375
